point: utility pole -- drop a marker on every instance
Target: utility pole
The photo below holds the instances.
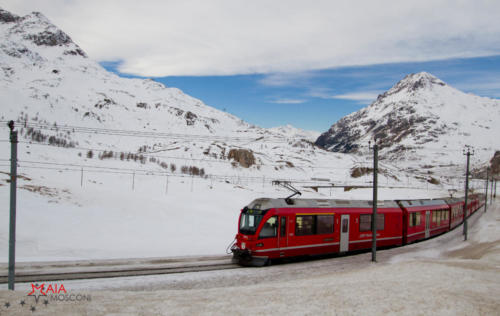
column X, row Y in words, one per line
column 13, row 186
column 495, row 190
column 468, row 154
column 486, row 195
column 374, row 201
column 491, row 194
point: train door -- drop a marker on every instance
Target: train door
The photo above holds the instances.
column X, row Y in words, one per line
column 344, row 233
column 283, row 234
column 427, row 223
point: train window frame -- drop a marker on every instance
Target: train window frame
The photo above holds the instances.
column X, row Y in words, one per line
column 365, row 222
column 283, row 220
column 300, row 228
column 412, row 222
column 324, row 228
column 273, row 229
column 247, row 228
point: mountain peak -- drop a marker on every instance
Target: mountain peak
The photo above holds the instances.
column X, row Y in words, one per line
column 419, row 109
column 20, row 33
column 415, row 82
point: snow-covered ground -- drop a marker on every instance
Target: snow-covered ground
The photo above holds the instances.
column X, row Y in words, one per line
column 442, row 276
column 61, row 217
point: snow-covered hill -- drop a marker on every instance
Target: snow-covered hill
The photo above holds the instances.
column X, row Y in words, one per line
column 60, row 97
column 420, row 119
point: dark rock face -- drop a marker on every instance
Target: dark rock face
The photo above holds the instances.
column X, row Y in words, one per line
column 190, row 118
column 244, row 157
column 47, row 38
column 339, row 137
column 75, row 52
column 7, row 17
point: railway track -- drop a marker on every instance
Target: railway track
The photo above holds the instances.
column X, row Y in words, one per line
column 93, row 269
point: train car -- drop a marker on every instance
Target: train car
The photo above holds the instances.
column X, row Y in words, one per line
column 280, row 228
column 477, row 202
column 480, row 197
column 456, row 211
column 470, row 205
column 424, row 219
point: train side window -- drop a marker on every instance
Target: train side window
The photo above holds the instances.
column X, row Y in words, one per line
column 380, row 222
column 270, row 228
column 365, row 222
column 345, row 225
column 283, row 227
column 324, row 224
column 305, row 225
column 413, row 219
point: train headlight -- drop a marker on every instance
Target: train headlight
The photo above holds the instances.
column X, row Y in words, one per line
column 243, row 245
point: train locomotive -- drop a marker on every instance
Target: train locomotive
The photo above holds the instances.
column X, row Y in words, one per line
column 272, row 228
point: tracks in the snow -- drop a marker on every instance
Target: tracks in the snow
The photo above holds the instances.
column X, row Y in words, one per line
column 93, row 269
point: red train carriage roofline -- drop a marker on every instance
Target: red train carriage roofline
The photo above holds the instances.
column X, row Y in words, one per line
column 269, row 203
column 428, row 205
column 454, row 201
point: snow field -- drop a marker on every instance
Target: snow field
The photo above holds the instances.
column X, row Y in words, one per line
column 105, row 218
column 405, row 281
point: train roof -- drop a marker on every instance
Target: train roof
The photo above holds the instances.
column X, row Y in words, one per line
column 268, row 203
column 413, row 203
column 453, row 200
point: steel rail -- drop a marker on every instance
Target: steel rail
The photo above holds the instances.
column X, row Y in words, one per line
column 77, row 270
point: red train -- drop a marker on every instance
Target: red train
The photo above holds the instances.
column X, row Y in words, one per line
column 279, row 228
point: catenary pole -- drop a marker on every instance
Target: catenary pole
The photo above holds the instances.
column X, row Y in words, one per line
column 486, row 195
column 13, row 185
column 374, row 202
column 468, row 154
column 495, row 190
column 491, row 194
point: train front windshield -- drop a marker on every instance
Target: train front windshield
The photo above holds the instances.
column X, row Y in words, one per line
column 249, row 221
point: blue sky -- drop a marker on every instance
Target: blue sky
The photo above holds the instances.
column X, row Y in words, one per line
column 314, row 100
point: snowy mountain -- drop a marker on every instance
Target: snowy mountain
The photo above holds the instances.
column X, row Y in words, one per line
column 62, row 98
column 295, row 132
column 423, row 118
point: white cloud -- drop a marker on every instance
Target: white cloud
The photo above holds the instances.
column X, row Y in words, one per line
column 288, row 101
column 358, row 96
column 361, row 96
column 222, row 37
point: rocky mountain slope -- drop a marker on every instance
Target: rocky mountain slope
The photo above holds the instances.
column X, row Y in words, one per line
column 420, row 117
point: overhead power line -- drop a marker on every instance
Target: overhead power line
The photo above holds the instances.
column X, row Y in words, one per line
column 147, row 134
